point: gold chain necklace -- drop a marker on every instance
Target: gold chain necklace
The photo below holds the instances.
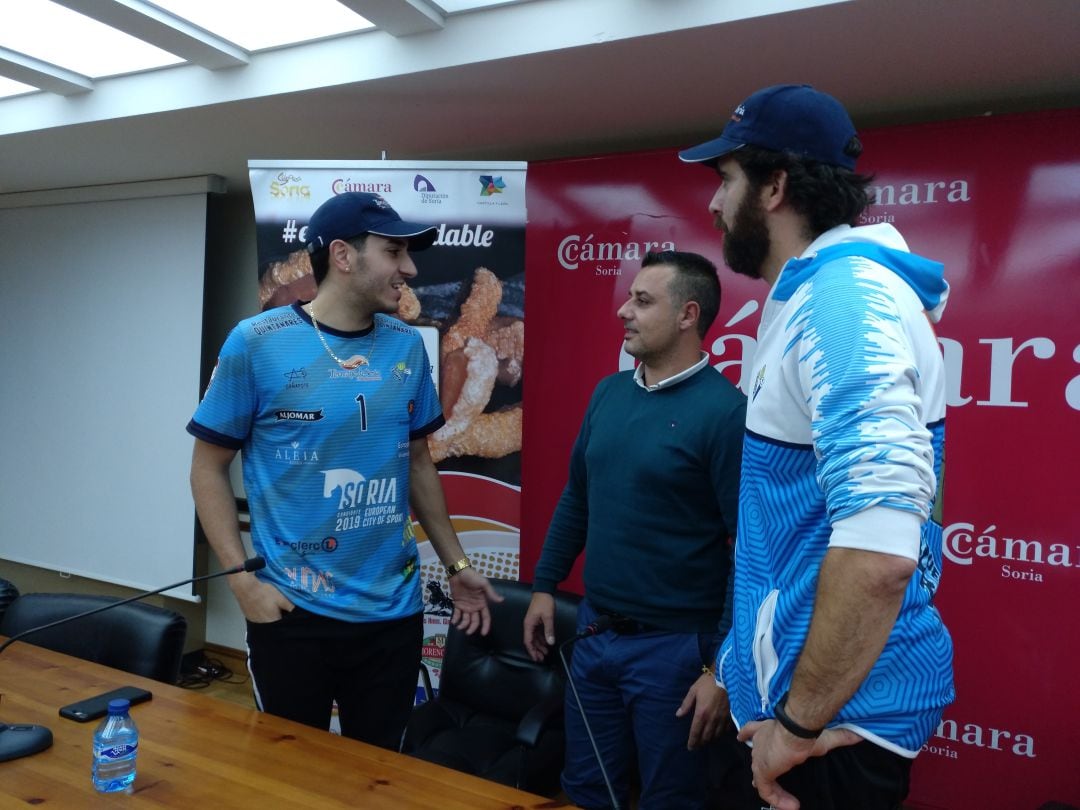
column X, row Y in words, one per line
column 357, row 359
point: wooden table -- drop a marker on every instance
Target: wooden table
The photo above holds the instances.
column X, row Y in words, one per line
column 199, row 752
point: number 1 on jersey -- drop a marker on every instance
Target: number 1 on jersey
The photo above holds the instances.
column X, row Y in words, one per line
column 363, row 411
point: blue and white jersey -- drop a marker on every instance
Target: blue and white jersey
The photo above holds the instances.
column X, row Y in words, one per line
column 843, row 448
column 326, row 456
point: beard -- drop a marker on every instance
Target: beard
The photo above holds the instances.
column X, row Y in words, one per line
column 746, row 243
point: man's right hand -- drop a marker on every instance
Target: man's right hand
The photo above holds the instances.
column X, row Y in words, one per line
column 260, row 602
column 540, row 626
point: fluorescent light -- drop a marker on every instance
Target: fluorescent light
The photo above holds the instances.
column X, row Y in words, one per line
column 457, row 6
column 52, row 33
column 259, row 24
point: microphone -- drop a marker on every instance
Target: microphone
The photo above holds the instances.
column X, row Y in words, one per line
column 601, row 624
column 252, row 564
column 22, row 740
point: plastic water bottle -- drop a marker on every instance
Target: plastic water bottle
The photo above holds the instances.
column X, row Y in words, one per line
column 116, row 743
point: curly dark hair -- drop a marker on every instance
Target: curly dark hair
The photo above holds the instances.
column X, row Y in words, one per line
column 825, row 195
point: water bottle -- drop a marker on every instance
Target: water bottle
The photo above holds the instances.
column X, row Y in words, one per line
column 116, row 743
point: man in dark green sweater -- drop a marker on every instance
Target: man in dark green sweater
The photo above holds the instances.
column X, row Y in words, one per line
column 652, row 498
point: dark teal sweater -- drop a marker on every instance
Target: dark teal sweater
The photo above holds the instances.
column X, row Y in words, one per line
column 652, row 498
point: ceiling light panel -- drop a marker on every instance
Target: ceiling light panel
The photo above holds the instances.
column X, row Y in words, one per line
column 258, row 24
column 458, row 6
column 52, row 33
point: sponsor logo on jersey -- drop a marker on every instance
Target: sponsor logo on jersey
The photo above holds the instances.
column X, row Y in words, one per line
column 293, row 453
column 327, row 544
column 300, row 416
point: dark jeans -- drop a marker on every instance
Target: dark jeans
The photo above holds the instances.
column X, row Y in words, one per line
column 630, row 685
column 856, row 777
column 302, row 663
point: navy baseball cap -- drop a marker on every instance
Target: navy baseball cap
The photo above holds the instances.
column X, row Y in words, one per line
column 355, row 213
column 786, row 118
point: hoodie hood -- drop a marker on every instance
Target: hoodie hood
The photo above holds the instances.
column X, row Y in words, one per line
column 880, row 243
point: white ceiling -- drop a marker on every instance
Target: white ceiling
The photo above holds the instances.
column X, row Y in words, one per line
column 540, row 79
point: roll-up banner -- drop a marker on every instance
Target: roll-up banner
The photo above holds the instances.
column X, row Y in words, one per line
column 996, row 199
column 469, row 290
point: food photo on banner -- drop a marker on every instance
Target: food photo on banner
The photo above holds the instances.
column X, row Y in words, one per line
column 1004, row 225
column 468, row 303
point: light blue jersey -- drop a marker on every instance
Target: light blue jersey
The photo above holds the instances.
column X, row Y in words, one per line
column 326, row 456
column 845, row 430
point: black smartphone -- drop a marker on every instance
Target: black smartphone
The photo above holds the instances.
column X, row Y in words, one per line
column 94, row 707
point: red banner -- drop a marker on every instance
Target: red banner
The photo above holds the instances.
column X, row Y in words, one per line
column 997, row 200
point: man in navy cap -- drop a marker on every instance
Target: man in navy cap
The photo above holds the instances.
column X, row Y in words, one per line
column 838, row 665
column 330, row 403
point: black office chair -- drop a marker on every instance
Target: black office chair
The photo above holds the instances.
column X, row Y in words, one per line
column 140, row 639
column 498, row 715
column 8, row 592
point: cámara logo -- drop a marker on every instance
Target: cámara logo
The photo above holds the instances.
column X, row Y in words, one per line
column 972, row 734
column 1019, row 559
column 575, row 250
column 922, row 193
column 343, row 184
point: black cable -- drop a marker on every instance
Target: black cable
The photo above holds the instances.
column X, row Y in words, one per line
column 602, row 624
column 208, row 671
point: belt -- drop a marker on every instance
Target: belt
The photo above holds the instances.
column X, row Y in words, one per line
column 625, row 626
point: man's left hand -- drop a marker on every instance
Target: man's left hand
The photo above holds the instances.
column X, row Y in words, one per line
column 709, row 704
column 471, row 593
column 776, row 751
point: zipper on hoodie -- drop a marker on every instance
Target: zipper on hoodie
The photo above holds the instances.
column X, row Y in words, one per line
column 765, row 658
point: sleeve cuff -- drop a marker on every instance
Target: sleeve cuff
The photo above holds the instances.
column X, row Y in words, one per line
column 544, row 586
column 881, row 529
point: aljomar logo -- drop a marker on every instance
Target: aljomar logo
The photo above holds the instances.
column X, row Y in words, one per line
column 1020, row 559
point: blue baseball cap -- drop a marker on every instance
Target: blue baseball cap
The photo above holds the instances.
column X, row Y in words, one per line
column 786, row 118
column 355, row 213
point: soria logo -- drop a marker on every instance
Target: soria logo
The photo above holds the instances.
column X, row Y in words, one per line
column 289, row 186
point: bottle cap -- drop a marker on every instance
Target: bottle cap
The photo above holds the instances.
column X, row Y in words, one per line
column 119, row 706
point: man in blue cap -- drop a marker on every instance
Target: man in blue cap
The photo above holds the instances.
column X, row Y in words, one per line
column 838, row 665
column 330, row 403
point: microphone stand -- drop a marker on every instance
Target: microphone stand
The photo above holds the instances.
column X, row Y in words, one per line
column 602, row 624
column 24, row 739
